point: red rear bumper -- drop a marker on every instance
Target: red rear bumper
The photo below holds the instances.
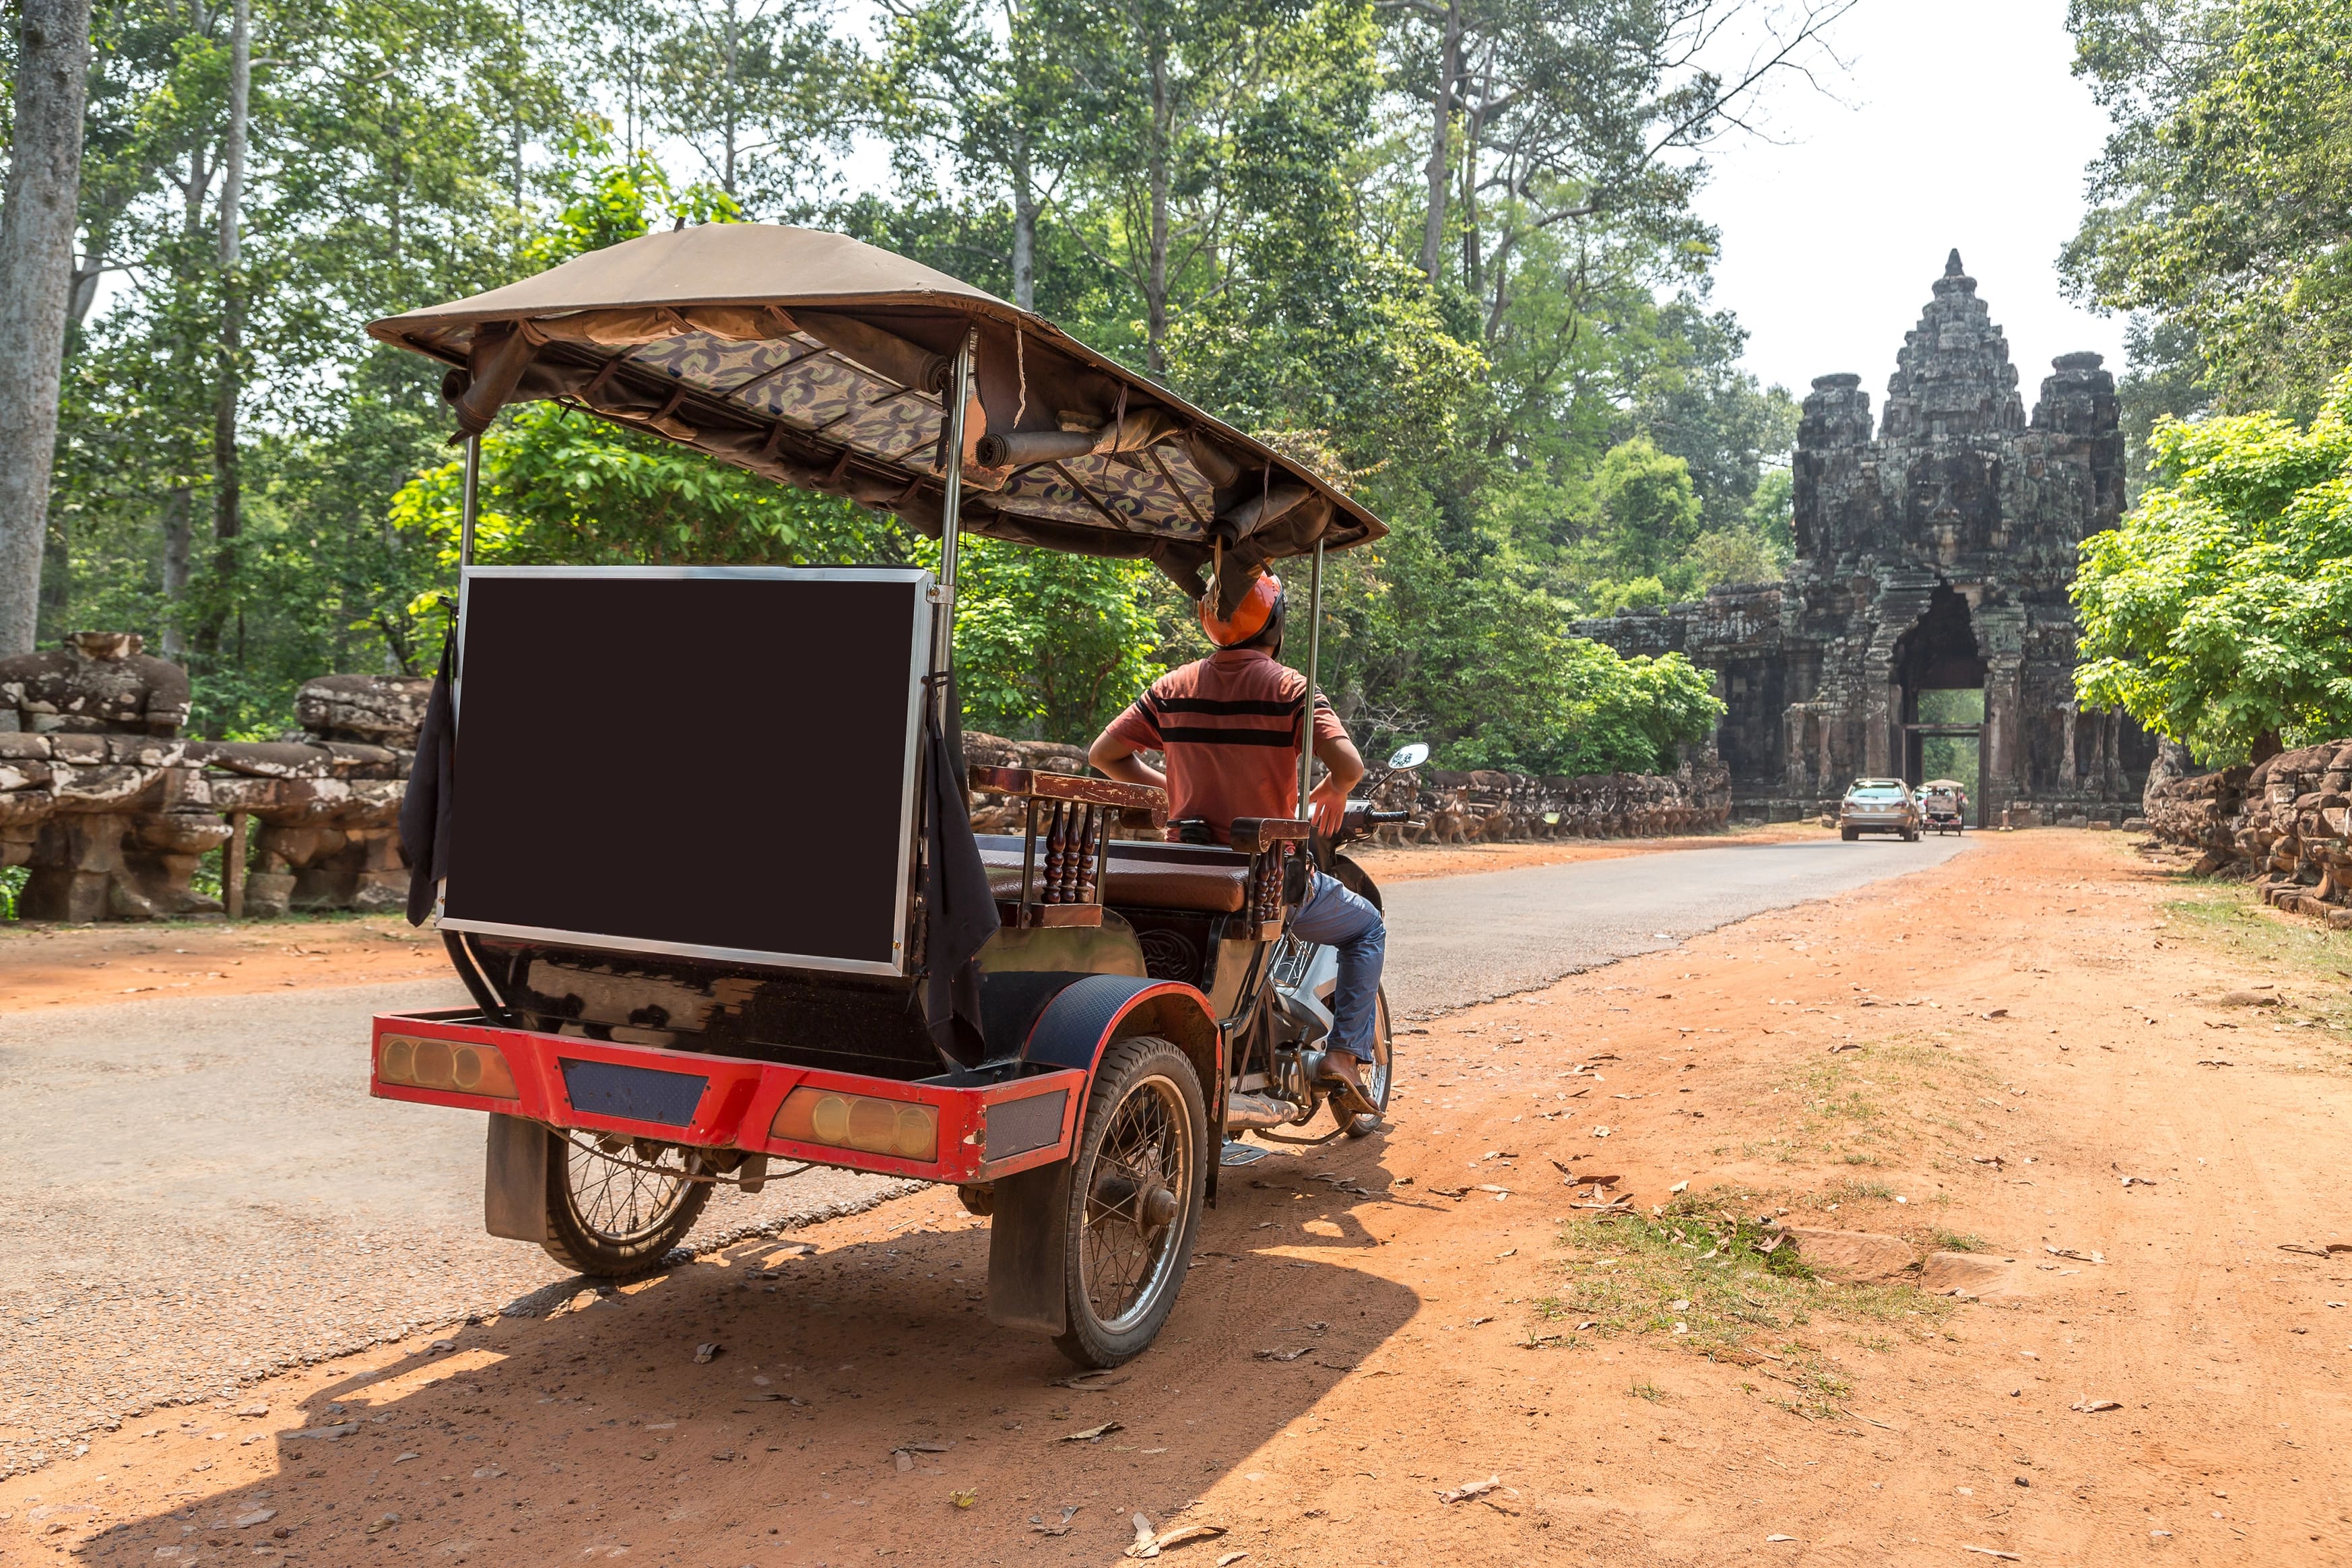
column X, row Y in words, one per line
column 727, row 1102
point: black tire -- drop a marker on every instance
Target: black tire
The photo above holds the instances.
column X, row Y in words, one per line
column 1130, row 1228
column 609, row 1220
column 1380, row 1079
column 1849, row 834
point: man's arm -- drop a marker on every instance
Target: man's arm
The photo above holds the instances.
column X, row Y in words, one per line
column 1328, row 801
column 1115, row 758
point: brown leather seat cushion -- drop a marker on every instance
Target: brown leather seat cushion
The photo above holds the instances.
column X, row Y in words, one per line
column 1208, row 882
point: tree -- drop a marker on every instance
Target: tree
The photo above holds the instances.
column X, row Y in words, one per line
column 2220, row 614
column 2225, row 191
column 37, row 255
column 761, row 91
column 1050, row 646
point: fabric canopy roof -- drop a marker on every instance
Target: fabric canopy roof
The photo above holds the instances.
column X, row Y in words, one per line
column 819, row 362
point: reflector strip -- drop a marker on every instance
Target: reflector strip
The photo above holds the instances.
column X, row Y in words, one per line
column 634, row 1094
column 1017, row 1126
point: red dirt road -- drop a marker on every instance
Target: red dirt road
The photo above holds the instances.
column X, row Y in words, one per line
column 2023, row 1027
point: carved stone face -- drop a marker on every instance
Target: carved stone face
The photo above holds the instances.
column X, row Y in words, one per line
column 107, row 646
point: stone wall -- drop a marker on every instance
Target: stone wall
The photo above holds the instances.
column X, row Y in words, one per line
column 1458, row 807
column 110, row 809
column 2287, row 821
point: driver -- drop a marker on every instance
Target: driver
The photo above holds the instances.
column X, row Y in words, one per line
column 1229, row 726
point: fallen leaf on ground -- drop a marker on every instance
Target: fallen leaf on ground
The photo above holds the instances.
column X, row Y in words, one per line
column 1278, row 1355
column 1150, row 1545
column 1232, row 1557
column 705, row 1352
column 963, row 1498
column 1991, row 1551
column 1469, row 1489
column 1091, row 1433
column 2091, row 1406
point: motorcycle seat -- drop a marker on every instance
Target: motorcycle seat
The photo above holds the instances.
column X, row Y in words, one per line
column 1200, row 878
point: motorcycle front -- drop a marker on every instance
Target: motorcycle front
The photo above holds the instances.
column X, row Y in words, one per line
column 1279, row 1077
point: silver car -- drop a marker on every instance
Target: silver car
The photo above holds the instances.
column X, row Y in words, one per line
column 1878, row 806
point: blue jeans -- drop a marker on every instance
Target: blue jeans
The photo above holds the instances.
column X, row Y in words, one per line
column 1335, row 917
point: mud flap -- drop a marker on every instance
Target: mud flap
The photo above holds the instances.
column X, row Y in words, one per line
column 514, row 1180
column 1028, row 1248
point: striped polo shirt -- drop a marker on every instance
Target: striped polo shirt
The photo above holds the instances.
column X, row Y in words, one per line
column 1228, row 725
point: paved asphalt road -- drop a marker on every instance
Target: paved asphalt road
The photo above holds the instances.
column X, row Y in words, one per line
column 201, row 1189
column 1455, row 941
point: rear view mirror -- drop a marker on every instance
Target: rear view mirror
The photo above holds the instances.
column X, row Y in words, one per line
column 1411, row 756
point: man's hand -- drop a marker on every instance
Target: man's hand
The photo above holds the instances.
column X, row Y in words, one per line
column 1327, row 803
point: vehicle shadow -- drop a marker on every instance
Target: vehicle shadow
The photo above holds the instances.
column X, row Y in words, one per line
column 856, row 1403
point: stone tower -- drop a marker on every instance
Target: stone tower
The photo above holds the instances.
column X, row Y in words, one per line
column 1935, row 554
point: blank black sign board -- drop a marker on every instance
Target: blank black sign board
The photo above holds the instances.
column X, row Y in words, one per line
column 713, row 762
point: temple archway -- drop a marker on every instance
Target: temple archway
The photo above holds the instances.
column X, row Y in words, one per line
column 1939, row 672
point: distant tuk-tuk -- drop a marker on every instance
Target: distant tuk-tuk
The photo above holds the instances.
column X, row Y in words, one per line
column 1943, row 803
column 793, row 949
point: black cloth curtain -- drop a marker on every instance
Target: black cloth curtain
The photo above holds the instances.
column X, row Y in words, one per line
column 425, row 809
column 956, row 902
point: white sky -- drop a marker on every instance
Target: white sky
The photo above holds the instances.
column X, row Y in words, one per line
column 1957, row 125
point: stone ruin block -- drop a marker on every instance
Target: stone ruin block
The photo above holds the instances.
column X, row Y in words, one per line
column 97, row 795
column 112, row 810
column 2287, row 821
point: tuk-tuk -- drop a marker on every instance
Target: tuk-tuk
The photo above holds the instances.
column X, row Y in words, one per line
column 799, row 952
column 1943, row 803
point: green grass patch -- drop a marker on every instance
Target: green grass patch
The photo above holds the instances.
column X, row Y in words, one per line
column 1698, row 1273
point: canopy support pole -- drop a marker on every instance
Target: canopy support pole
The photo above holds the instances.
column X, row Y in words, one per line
column 472, row 504
column 1314, row 656
column 950, row 524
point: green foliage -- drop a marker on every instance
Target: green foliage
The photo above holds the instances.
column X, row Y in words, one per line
column 2226, row 189
column 1570, row 706
column 565, row 487
column 2220, row 614
column 1050, row 646
column 606, row 201
column 1220, row 192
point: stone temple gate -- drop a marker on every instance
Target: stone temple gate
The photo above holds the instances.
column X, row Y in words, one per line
column 1926, row 617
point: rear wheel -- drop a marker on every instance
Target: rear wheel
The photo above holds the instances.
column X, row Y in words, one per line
column 1141, row 1173
column 616, row 1205
column 1849, row 834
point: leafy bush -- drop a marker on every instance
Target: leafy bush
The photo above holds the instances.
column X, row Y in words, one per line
column 2220, row 614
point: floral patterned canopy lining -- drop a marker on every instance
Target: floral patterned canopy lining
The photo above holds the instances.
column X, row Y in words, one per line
column 743, row 341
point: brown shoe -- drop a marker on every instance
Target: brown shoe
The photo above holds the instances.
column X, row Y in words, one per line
column 1347, row 1072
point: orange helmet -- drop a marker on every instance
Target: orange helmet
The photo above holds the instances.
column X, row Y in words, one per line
column 1249, row 617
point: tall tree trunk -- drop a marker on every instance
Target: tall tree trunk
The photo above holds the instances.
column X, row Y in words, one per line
column 729, row 111
column 228, row 519
column 37, row 219
column 1440, row 170
column 1155, row 288
column 179, row 512
column 514, row 147
column 1024, row 223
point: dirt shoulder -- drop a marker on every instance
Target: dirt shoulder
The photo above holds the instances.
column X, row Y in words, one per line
column 52, row 965
column 1970, row 1060
column 1410, row 862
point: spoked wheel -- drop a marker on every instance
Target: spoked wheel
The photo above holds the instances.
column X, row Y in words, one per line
column 616, row 1205
column 1378, row 1076
column 1135, row 1188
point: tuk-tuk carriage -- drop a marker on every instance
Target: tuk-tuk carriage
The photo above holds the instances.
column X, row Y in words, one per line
column 1944, row 803
column 800, row 953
